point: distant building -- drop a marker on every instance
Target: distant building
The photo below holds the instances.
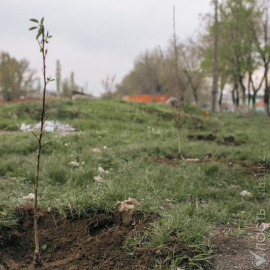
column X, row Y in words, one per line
column 147, row 98
column 259, row 104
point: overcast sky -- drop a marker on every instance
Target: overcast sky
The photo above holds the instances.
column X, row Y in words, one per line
column 95, row 38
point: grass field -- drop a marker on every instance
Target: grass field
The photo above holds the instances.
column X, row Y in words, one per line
column 190, row 198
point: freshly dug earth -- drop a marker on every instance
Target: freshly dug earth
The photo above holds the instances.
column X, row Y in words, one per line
column 99, row 243
column 89, row 243
column 226, row 140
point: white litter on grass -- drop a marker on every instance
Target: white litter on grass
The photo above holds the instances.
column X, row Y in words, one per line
column 96, row 150
column 98, row 179
column 193, row 159
column 245, row 193
column 30, row 196
column 66, row 144
column 127, row 204
column 74, row 163
column 101, row 170
column 49, row 126
column 105, row 147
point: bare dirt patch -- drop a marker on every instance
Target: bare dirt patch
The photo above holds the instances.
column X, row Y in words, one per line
column 89, row 243
column 163, row 160
column 200, row 137
column 232, row 251
column 99, row 243
column 230, row 140
column 253, row 170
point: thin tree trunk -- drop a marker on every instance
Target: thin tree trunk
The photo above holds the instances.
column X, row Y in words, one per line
column 249, row 92
column 233, row 98
column 244, row 97
column 220, row 100
column 266, row 97
column 254, row 104
column 223, row 82
column 237, row 99
column 195, row 96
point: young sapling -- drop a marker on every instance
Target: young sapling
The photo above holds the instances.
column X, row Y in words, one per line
column 42, row 39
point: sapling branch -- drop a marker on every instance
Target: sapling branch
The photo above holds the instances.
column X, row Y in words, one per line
column 44, row 144
column 44, row 40
column 35, row 135
column 177, row 116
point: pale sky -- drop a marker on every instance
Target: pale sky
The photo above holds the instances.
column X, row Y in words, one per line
column 95, row 38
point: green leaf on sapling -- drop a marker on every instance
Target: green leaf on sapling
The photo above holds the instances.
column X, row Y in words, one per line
column 34, row 20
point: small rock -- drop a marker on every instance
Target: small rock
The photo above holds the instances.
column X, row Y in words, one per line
column 127, row 204
column 30, row 196
column 193, row 159
column 98, row 179
column 44, row 247
column 96, row 150
column 245, row 193
column 74, row 164
column 101, row 170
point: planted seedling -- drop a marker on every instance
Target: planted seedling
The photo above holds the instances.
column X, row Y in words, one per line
column 176, row 105
column 42, row 40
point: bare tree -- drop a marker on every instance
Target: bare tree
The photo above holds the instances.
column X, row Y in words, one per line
column 109, row 85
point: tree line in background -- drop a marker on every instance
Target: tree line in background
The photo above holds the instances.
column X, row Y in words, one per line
column 153, row 73
column 67, row 87
column 243, row 64
column 17, row 80
column 243, row 61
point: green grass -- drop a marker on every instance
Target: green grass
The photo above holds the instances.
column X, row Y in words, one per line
column 197, row 193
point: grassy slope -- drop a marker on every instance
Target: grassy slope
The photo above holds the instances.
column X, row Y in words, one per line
column 197, row 193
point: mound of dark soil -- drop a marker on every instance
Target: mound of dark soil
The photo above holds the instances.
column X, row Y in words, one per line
column 231, row 141
column 226, row 140
column 89, row 243
column 200, row 137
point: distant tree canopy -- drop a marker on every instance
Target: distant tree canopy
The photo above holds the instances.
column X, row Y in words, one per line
column 145, row 78
column 243, row 60
column 69, row 86
column 16, row 79
column 154, row 74
column 243, row 50
column 108, row 84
